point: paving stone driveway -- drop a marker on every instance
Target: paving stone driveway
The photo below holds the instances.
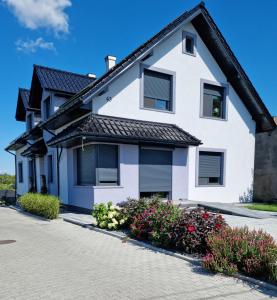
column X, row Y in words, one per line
column 58, row 260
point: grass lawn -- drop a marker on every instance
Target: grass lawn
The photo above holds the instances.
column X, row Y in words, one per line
column 261, row 206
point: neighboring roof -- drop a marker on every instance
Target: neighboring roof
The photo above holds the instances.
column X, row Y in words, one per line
column 56, row 80
column 218, row 47
column 17, row 143
column 275, row 120
column 22, row 104
column 36, row 149
column 130, row 131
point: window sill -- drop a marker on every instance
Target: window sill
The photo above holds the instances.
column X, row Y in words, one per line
column 210, row 185
column 190, row 54
column 214, row 118
column 97, row 187
column 158, row 110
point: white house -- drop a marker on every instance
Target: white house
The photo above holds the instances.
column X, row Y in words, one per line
column 177, row 117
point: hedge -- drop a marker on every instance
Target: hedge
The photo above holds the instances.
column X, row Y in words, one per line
column 47, row 206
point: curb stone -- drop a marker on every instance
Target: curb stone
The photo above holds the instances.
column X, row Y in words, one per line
column 192, row 260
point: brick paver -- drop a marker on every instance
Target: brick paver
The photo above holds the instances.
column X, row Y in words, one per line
column 58, row 260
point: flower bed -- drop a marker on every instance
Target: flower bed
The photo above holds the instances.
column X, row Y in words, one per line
column 197, row 232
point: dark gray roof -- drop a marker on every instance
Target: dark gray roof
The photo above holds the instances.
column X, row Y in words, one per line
column 62, row 81
column 22, row 104
column 25, row 93
column 218, row 47
column 113, row 129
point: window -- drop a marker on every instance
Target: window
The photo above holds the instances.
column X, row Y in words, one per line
column 210, row 170
column 189, row 43
column 47, row 108
column 155, row 172
column 214, row 101
column 50, row 168
column 157, row 90
column 97, row 165
column 29, row 122
column 20, row 172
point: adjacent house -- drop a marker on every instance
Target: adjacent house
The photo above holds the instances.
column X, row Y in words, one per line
column 265, row 187
column 176, row 117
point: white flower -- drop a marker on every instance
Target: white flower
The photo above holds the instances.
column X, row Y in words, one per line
column 122, row 221
column 110, row 215
column 114, row 221
column 111, row 225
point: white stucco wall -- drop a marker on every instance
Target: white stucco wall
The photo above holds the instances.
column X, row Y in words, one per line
column 236, row 135
column 22, row 187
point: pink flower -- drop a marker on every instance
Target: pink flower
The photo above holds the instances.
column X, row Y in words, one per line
column 217, row 226
column 191, row 228
column 205, row 215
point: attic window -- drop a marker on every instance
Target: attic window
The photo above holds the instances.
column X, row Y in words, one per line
column 189, row 43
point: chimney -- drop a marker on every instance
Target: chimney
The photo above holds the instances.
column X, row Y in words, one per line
column 90, row 75
column 110, row 62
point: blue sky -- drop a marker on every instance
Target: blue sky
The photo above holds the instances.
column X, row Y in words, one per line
column 77, row 35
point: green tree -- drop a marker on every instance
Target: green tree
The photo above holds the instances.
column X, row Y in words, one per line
column 7, row 182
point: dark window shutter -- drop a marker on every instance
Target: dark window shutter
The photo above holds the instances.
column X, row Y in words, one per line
column 50, row 168
column 210, row 164
column 157, row 85
column 20, row 172
column 47, row 108
column 107, row 167
column 86, row 159
column 155, row 170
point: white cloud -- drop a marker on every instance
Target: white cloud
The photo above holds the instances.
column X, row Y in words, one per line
column 31, row 46
column 35, row 14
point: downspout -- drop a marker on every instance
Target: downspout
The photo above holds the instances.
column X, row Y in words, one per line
column 15, row 172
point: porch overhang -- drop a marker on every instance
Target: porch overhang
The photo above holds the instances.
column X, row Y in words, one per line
column 35, row 133
column 18, row 143
column 98, row 128
column 37, row 149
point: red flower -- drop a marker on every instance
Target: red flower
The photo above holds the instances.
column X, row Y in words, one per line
column 205, row 215
column 191, row 228
column 217, row 226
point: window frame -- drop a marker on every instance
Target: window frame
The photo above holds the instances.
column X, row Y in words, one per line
column 20, row 174
column 95, row 184
column 223, row 152
column 173, row 88
column 225, row 87
column 50, row 175
column 192, row 36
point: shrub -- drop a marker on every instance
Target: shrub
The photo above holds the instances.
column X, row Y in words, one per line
column 47, row 206
column 192, row 229
column 107, row 216
column 156, row 223
column 133, row 207
column 251, row 252
column 7, row 182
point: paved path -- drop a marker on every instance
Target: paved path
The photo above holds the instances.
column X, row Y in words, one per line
column 59, row 260
column 269, row 225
